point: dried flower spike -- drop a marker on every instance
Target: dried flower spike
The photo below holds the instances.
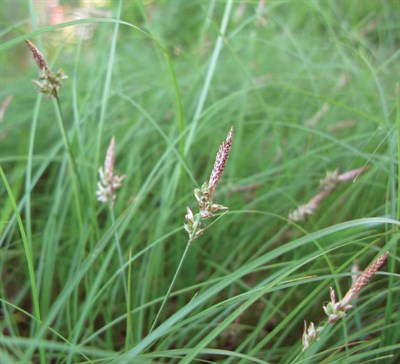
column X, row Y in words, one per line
column 108, row 184
column 336, row 310
column 203, row 195
column 48, row 82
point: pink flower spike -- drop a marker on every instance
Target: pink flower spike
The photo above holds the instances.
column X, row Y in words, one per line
column 109, row 161
column 352, row 175
column 37, row 56
column 363, row 279
column 109, row 184
column 220, row 161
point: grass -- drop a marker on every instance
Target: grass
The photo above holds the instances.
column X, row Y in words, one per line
column 308, row 86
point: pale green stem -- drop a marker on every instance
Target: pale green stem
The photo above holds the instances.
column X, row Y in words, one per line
column 74, row 169
column 191, row 237
column 128, row 305
column 118, row 246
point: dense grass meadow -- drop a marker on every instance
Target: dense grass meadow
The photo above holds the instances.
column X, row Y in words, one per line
column 311, row 89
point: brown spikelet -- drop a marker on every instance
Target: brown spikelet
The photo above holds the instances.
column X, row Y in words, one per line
column 220, row 161
column 37, row 56
column 363, row 279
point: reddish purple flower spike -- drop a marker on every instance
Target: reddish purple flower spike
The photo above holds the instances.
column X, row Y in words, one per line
column 220, row 161
column 109, row 184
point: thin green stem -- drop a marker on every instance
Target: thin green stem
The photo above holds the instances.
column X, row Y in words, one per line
column 398, row 146
column 118, row 246
column 76, row 182
column 128, row 305
column 196, row 224
column 171, row 285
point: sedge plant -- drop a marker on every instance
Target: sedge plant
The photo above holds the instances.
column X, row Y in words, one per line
column 195, row 225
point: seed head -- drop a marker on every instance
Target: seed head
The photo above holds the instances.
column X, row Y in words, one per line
column 108, row 184
column 37, row 56
column 363, row 279
column 310, row 335
column 194, row 225
column 220, row 161
column 48, row 83
column 352, row 175
column 310, row 207
column 336, row 310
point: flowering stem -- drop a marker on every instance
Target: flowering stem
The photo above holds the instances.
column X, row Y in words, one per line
column 196, row 224
column 65, row 137
column 128, row 305
column 171, row 285
column 75, row 178
column 118, row 246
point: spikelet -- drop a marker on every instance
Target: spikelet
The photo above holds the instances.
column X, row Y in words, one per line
column 310, row 207
column 37, row 56
column 327, row 184
column 48, row 83
column 220, row 161
column 108, row 184
column 310, row 334
column 336, row 310
column 363, row 279
column 194, row 225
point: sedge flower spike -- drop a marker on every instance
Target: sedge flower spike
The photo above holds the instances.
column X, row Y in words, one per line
column 48, row 83
column 204, row 194
column 310, row 334
column 336, row 310
column 220, row 161
column 109, row 183
column 327, row 185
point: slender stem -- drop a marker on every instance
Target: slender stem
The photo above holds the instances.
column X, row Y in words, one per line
column 118, row 246
column 398, row 147
column 76, row 182
column 171, row 285
column 128, row 305
column 66, row 139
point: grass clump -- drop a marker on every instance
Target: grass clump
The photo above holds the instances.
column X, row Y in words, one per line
column 308, row 88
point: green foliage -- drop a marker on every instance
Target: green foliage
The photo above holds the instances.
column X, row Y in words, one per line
column 309, row 87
